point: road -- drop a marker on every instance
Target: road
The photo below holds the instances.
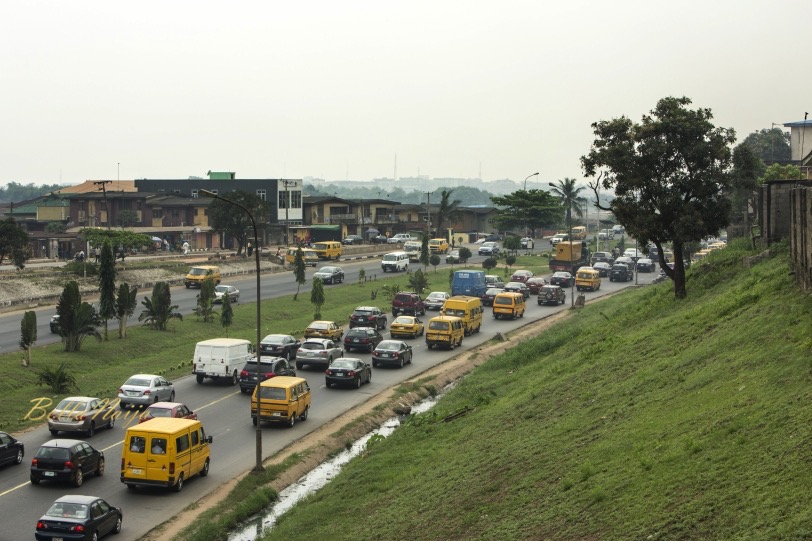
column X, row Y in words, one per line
column 225, row 414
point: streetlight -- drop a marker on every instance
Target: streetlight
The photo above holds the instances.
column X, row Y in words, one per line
column 205, row 193
column 287, row 206
column 525, row 189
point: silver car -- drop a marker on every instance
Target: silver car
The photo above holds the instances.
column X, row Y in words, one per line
column 145, row 389
column 81, row 414
column 318, row 351
column 223, row 290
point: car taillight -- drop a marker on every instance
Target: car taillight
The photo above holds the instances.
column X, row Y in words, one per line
column 41, row 525
column 328, row 372
column 147, row 391
column 68, row 465
column 269, row 375
column 120, row 390
column 78, row 528
column 33, row 462
column 171, row 468
column 322, row 354
column 351, row 373
column 244, row 373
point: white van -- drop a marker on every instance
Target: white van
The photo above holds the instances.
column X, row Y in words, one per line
column 221, row 358
column 395, row 262
column 413, row 248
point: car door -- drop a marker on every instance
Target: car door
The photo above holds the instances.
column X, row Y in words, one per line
column 164, row 389
column 7, row 450
column 85, row 457
column 106, row 517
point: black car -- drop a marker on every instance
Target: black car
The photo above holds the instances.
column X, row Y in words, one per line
column 12, row 450
column 80, row 518
column 54, row 323
column 352, row 239
column 379, row 239
column 490, row 293
column 645, row 264
column 279, row 345
column 602, row 267
column 518, row 287
column 330, row 275
column 365, row 338
column 268, row 368
column 550, row 294
column 620, row 273
column 368, row 316
column 66, row 460
column 348, row 371
column 394, row 352
column 563, row 279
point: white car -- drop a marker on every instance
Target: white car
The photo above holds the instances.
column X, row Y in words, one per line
column 489, row 248
column 559, row 237
column 223, row 290
column 400, row 238
column 606, row 234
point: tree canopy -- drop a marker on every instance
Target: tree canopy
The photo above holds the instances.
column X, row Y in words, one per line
column 669, row 174
column 225, row 217
column 118, row 238
column 569, row 195
column 448, row 211
column 13, row 242
column 536, row 208
column 770, row 144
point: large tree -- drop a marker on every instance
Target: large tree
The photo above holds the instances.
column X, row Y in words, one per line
column 158, row 309
column 125, row 306
column 449, row 211
column 13, row 242
column 107, row 285
column 233, row 222
column 744, row 182
column 570, row 198
column 533, row 208
column 770, row 145
column 669, row 174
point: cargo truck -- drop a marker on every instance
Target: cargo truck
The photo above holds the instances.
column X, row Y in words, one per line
column 570, row 256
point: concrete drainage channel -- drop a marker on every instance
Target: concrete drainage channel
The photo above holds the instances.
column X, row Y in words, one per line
column 258, row 525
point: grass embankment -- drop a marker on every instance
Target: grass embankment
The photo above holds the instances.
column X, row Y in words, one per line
column 641, row 418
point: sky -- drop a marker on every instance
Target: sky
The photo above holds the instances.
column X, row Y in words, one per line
column 364, row 90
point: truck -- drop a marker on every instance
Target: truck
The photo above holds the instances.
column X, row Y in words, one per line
column 221, row 358
column 468, row 282
column 569, row 256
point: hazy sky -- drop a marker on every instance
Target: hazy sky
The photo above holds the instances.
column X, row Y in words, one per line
column 337, row 89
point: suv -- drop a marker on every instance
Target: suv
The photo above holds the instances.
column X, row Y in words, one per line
column 602, row 256
column 488, row 248
column 408, row 303
column 400, row 238
column 268, row 368
column 620, row 273
column 368, row 316
column 554, row 295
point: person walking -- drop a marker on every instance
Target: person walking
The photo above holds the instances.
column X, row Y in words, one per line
column 185, row 248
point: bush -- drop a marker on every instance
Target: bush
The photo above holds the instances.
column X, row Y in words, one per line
column 58, row 379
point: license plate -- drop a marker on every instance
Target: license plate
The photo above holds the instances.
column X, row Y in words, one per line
column 137, row 471
column 276, row 414
column 50, row 474
column 339, row 373
column 132, row 393
column 354, row 339
column 65, row 419
column 57, row 539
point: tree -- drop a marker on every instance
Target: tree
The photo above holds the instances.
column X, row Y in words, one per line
column 418, row 281
column 158, row 309
column 125, row 306
column 205, row 299
column 781, row 172
column 570, row 199
column 509, row 261
column 237, row 224
column 317, row 297
column 126, row 218
column 121, row 241
column 58, row 379
column 747, row 168
column 434, row 260
column 465, row 254
column 56, row 227
column 512, row 243
column 227, row 313
column 533, row 208
column 424, row 251
column 77, row 319
column 669, row 175
column 13, row 243
column 107, row 285
column 489, row 263
column 449, row 211
column 299, row 271
column 770, row 145
column 28, row 335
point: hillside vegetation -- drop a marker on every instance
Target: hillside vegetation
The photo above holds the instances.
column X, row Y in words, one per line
column 640, row 417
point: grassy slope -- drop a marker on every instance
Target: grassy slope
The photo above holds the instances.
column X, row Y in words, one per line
column 641, row 418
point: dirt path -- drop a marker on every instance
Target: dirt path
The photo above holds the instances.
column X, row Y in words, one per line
column 363, row 418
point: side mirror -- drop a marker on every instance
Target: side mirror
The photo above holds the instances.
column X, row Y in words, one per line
column 210, row 439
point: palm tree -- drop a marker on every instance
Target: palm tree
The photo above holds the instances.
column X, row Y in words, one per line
column 449, row 210
column 566, row 191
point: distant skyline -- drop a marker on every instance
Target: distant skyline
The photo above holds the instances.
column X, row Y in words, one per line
column 365, row 90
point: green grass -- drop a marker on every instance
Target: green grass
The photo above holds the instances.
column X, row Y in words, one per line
column 641, row 418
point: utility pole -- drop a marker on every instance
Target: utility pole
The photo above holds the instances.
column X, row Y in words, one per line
column 287, row 183
column 428, row 214
column 101, row 184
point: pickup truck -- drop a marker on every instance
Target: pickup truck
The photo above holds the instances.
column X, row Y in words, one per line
column 401, row 238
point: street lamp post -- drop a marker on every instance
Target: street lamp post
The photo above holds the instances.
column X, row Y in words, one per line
column 258, row 465
column 525, row 189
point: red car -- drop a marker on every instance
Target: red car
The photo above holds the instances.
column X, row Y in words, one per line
column 535, row 284
column 167, row 409
column 521, row 276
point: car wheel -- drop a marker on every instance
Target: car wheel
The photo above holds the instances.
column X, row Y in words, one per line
column 429, row 345
column 200, row 378
column 95, row 536
column 369, row 376
column 117, row 527
column 254, row 420
column 410, row 359
column 292, row 421
column 55, row 432
column 327, row 383
column 402, row 362
column 300, row 366
column 286, row 355
column 205, row 471
column 100, row 468
column 79, row 478
column 92, row 429
column 235, row 379
column 303, row 416
column 179, row 485
column 112, row 421
column 375, row 364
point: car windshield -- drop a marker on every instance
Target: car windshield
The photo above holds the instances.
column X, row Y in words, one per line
column 454, row 312
column 514, row 285
column 390, row 257
column 494, row 291
column 357, row 332
column 198, row 272
column 54, row 453
column 503, row 300
column 67, row 510
column 313, row 346
column 160, row 412
column 319, row 326
column 562, row 275
column 436, row 296
column 137, row 382
column 404, row 320
column 438, row 325
column 327, row 269
column 340, row 363
column 273, row 393
column 489, row 245
column 72, row 405
column 362, row 313
column 222, row 289
column 403, row 298
column 389, row 345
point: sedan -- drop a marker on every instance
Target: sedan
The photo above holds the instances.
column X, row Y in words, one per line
column 362, row 338
column 173, row 410
column 435, row 300
column 602, row 267
column 352, row 239
column 318, row 351
column 81, row 414
column 490, row 293
column 379, row 239
column 12, row 450
column 279, row 345
column 222, row 290
column 330, row 275
column 54, row 324
column 488, row 248
column 392, row 352
column 527, row 243
column 453, row 257
column 78, row 517
column 407, row 327
column 518, row 287
column 562, row 278
column 645, row 265
column 348, row 371
column 521, row 276
column 66, row 460
column 535, row 283
column 145, row 389
column 268, row 368
column 324, row 329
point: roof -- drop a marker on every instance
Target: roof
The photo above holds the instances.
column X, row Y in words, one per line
column 798, row 124
column 91, row 186
column 164, row 425
column 222, row 341
column 149, row 230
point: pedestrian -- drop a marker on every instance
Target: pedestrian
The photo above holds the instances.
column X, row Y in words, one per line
column 250, row 249
column 185, row 247
column 166, row 245
column 97, row 253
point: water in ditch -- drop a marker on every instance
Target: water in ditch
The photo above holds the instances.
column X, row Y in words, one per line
column 254, row 527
